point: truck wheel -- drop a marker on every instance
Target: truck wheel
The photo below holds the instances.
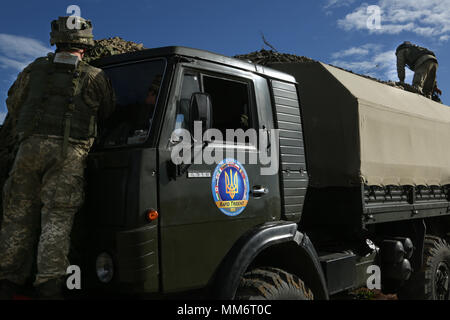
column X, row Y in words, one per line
column 432, row 282
column 272, row 284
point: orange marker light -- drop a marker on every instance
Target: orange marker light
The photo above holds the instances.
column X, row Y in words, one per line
column 152, row 214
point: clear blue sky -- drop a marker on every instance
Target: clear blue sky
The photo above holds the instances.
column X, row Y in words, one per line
column 327, row 30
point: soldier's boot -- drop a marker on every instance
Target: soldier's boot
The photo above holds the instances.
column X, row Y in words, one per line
column 50, row 290
column 7, row 289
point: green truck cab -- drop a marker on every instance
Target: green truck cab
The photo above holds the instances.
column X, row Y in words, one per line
column 282, row 214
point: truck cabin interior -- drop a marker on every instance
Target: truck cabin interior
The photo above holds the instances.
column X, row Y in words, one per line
column 136, row 87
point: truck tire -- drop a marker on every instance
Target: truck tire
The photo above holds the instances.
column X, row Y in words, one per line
column 268, row 283
column 432, row 282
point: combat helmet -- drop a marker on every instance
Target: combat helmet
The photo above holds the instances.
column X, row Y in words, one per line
column 73, row 33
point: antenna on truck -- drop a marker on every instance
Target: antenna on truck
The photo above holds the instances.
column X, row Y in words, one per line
column 267, row 43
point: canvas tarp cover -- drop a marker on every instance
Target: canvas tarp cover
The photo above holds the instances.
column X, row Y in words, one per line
column 358, row 130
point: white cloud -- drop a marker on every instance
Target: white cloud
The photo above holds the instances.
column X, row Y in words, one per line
column 355, row 20
column 2, row 117
column 333, row 4
column 369, row 59
column 16, row 51
column 429, row 18
column 11, row 63
column 356, row 51
column 337, row 3
column 21, row 46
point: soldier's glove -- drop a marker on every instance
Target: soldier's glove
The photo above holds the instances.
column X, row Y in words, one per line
column 437, row 90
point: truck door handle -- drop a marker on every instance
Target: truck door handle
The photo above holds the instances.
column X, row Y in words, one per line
column 259, row 191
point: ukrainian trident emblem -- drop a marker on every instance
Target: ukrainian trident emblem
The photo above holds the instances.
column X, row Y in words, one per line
column 232, row 184
column 230, row 187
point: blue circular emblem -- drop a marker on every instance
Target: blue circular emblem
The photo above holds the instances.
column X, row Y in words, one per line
column 230, row 187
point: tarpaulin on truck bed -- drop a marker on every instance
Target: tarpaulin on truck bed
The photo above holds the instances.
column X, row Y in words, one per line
column 358, row 130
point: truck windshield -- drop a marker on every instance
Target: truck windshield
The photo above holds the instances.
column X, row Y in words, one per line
column 137, row 86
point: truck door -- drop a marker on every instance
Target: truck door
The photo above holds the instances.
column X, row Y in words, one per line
column 204, row 208
column 121, row 184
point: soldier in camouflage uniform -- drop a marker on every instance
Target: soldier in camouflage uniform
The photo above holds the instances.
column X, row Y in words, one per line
column 424, row 64
column 58, row 102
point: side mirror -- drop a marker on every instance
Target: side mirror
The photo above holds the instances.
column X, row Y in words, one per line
column 201, row 110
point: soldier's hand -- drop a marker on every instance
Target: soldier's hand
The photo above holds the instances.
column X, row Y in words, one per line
column 437, row 90
column 244, row 120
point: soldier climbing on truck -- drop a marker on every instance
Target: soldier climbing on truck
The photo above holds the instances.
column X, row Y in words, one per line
column 424, row 64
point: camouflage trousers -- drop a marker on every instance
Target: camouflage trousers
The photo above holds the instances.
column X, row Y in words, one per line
column 40, row 199
column 425, row 77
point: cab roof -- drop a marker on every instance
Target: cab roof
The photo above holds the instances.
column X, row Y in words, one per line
column 195, row 54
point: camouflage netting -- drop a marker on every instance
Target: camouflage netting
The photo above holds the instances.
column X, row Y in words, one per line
column 117, row 45
column 265, row 57
column 111, row 46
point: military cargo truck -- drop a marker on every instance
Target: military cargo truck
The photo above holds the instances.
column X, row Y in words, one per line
column 361, row 183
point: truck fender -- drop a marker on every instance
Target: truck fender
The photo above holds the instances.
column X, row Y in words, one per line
column 246, row 249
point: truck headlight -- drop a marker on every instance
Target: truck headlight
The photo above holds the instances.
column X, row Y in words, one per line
column 105, row 267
